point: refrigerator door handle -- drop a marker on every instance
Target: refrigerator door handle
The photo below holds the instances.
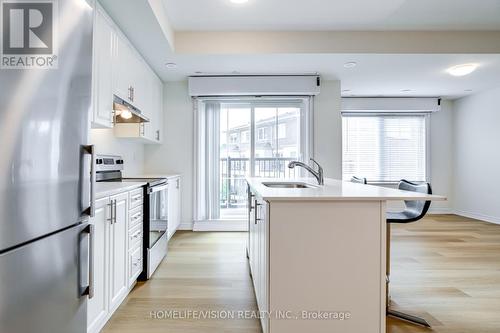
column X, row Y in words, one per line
column 90, row 149
column 89, row 289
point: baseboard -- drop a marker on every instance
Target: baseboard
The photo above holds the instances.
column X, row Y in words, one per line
column 185, row 225
column 440, row 211
column 241, row 225
column 478, row 216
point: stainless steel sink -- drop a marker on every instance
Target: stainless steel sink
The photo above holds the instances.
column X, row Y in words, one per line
column 288, row 185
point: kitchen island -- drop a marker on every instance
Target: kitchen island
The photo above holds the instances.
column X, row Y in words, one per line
column 318, row 254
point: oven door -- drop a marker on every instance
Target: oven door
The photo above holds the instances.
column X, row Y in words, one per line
column 158, row 213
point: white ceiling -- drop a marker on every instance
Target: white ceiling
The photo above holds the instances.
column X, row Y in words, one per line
column 334, row 15
column 374, row 75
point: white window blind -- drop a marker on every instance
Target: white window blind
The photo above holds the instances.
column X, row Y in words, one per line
column 384, row 148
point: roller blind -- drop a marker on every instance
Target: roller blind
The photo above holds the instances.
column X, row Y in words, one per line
column 384, row 147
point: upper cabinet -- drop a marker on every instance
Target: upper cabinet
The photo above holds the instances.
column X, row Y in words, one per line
column 102, row 84
column 119, row 70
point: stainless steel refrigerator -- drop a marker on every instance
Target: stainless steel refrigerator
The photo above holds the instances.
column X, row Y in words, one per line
column 46, row 171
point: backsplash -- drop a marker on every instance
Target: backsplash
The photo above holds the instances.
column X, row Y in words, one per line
column 132, row 152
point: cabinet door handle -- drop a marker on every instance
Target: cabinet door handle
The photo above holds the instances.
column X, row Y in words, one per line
column 110, row 212
column 177, row 183
column 257, row 211
column 250, row 207
column 157, row 135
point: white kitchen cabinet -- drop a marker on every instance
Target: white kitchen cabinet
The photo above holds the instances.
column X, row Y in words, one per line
column 102, row 83
column 122, row 58
column 150, row 132
column 118, row 250
column 153, row 129
column 97, row 308
column 130, row 74
column 258, row 253
column 117, row 255
column 119, row 70
column 174, row 205
column 318, row 255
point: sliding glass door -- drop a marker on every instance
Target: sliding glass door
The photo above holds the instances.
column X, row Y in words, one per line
column 258, row 139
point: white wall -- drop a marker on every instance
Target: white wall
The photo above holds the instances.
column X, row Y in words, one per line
column 132, row 152
column 175, row 155
column 328, row 129
column 441, row 157
column 476, row 155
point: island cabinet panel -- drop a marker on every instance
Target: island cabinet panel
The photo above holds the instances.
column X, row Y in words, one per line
column 312, row 259
column 258, row 254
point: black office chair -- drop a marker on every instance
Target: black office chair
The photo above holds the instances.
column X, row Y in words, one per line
column 355, row 179
column 413, row 212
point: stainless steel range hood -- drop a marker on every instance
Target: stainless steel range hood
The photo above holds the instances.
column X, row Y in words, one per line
column 126, row 113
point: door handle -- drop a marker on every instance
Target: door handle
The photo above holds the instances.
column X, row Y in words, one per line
column 90, row 149
column 257, row 211
column 114, row 214
column 89, row 289
column 110, row 212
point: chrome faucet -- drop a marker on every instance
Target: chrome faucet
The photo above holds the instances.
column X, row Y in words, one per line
column 317, row 174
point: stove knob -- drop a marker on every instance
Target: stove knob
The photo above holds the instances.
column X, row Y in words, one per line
column 98, row 161
column 119, row 161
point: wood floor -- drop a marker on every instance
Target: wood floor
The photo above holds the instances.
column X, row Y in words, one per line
column 445, row 268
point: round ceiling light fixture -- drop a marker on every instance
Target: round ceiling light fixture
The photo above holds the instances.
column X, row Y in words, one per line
column 406, row 90
column 350, row 64
column 171, row 65
column 462, row 70
column 239, row 2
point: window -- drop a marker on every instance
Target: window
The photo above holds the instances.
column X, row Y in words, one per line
column 263, row 134
column 282, row 131
column 384, row 148
column 245, row 137
column 233, row 138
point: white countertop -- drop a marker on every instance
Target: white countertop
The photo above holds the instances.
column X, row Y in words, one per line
column 335, row 190
column 105, row 189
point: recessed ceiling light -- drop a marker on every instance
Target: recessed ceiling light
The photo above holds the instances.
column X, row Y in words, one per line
column 346, row 90
column 350, row 64
column 461, row 70
column 171, row 65
column 468, row 90
column 405, row 90
column 239, row 2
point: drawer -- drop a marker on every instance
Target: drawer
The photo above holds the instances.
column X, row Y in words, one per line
column 134, row 236
column 136, row 198
column 135, row 217
column 135, row 264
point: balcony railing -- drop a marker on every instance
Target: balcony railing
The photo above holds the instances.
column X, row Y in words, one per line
column 233, row 172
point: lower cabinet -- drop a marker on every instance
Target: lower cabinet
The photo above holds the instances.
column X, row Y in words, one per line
column 97, row 306
column 258, row 249
column 118, row 250
column 174, row 205
column 117, row 255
